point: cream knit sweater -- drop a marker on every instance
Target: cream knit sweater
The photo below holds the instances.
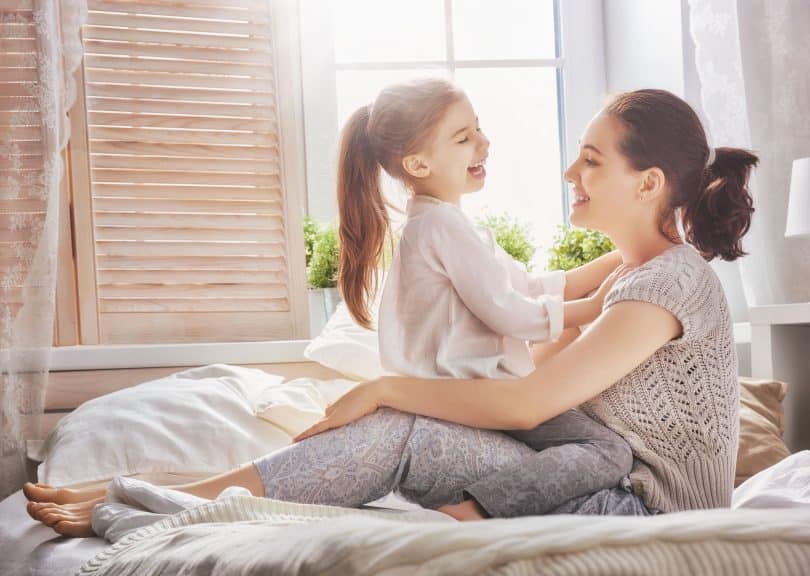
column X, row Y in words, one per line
column 679, row 409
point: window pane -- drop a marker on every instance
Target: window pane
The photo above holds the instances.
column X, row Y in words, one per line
column 388, row 30
column 517, row 109
column 487, row 30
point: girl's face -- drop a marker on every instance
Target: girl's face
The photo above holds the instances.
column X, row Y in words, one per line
column 605, row 185
column 456, row 155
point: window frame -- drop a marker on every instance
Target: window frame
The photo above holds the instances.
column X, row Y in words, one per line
column 581, row 81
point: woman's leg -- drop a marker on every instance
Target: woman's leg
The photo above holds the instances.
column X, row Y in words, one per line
column 618, row 501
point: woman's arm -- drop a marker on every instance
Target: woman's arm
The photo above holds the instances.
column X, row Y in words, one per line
column 584, row 279
column 624, row 336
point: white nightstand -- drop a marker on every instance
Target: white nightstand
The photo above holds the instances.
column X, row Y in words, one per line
column 780, row 349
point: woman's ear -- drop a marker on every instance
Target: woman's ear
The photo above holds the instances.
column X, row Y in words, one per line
column 415, row 166
column 653, row 184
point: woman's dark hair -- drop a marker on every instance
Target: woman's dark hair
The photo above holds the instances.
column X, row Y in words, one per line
column 661, row 130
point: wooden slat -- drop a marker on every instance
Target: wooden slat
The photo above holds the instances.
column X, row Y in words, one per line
column 21, row 163
column 144, row 6
column 121, row 20
column 23, row 204
column 149, row 291
column 19, row 103
column 19, row 119
column 218, row 95
column 174, row 52
column 103, row 204
column 19, row 45
column 17, row 28
column 180, row 276
column 195, row 222
column 212, row 10
column 180, row 136
column 225, row 80
column 250, row 166
column 33, row 132
column 197, row 261
column 17, row 6
column 187, row 150
column 194, row 327
column 27, row 147
column 19, row 74
column 154, row 176
column 194, row 305
column 185, row 249
column 179, row 37
column 17, row 89
column 201, row 193
column 198, row 124
column 185, row 234
column 19, row 60
column 187, row 108
column 258, row 70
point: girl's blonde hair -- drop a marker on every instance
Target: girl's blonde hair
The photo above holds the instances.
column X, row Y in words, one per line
column 400, row 121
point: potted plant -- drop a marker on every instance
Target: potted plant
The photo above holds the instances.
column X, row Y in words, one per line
column 577, row 246
column 511, row 235
column 322, row 254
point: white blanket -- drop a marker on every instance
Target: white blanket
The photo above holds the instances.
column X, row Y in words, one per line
column 244, row 535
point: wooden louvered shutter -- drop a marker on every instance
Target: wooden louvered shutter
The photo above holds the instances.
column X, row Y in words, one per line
column 192, row 225
column 23, row 201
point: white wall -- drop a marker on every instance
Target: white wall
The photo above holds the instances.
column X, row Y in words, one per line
column 648, row 45
column 643, row 45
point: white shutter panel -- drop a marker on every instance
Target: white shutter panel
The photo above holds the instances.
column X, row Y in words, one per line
column 188, row 207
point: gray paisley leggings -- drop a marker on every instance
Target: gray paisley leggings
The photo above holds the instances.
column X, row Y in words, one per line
column 430, row 462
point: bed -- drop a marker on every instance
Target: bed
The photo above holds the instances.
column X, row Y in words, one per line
column 767, row 531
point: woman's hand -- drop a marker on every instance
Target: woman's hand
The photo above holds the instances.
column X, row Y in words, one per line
column 360, row 401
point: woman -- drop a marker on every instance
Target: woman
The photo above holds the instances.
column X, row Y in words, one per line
column 658, row 366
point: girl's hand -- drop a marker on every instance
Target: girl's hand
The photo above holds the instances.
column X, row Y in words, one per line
column 358, row 402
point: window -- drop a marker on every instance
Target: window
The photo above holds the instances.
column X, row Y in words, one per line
column 509, row 58
column 187, row 223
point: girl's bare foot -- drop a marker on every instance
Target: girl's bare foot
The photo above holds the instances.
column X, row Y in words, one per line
column 47, row 493
column 466, row 511
column 66, row 519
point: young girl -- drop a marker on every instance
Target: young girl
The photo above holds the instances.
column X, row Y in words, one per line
column 454, row 303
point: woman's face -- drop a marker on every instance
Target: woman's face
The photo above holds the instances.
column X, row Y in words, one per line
column 605, row 186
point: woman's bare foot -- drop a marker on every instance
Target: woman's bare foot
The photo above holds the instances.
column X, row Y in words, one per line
column 71, row 520
column 47, row 493
column 466, row 511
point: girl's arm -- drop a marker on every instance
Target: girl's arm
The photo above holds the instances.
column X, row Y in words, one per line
column 624, row 336
column 586, row 278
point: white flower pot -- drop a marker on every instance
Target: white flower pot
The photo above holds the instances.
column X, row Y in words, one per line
column 322, row 304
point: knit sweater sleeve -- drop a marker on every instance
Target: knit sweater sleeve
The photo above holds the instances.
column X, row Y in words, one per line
column 676, row 281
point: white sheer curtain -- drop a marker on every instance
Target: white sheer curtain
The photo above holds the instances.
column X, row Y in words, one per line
column 43, row 37
column 753, row 60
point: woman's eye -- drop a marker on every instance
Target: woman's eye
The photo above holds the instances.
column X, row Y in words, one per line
column 463, row 141
column 589, row 162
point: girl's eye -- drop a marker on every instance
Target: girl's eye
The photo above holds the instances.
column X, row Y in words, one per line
column 463, row 141
column 589, row 162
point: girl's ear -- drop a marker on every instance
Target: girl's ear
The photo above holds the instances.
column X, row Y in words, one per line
column 653, row 184
column 415, row 166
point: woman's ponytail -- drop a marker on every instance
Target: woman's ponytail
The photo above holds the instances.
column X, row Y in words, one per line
column 711, row 195
column 717, row 217
column 364, row 223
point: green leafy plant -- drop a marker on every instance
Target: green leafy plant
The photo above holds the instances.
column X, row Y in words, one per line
column 577, row 246
column 311, row 229
column 323, row 261
column 511, row 235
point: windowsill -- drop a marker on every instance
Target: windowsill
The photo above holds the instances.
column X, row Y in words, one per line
column 109, row 357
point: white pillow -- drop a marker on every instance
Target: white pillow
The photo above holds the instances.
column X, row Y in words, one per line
column 345, row 346
column 200, row 421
